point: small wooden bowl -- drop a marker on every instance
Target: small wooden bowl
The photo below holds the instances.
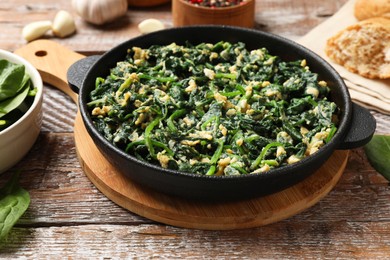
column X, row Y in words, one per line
column 146, row 3
column 185, row 13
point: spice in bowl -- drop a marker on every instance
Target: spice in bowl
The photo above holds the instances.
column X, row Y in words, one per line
column 223, row 12
column 216, row 3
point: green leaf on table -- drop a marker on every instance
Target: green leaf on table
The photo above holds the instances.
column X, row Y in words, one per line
column 14, row 201
column 11, row 79
column 378, row 154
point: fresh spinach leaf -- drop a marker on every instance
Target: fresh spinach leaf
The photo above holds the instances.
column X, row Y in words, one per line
column 11, row 79
column 16, row 92
column 14, row 201
column 378, row 154
column 10, row 104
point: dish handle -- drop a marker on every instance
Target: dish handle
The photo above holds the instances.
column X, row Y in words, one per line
column 78, row 70
column 362, row 128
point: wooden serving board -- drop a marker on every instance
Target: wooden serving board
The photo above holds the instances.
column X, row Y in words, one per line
column 53, row 60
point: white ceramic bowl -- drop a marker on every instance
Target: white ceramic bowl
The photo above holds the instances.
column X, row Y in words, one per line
column 17, row 139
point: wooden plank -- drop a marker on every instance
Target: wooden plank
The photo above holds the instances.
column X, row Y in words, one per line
column 292, row 20
column 69, row 217
column 284, row 17
column 59, row 111
column 285, row 240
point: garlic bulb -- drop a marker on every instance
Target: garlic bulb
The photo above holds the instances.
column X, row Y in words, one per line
column 100, row 11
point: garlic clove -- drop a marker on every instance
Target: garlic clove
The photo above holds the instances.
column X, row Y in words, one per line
column 63, row 24
column 150, row 25
column 35, row 30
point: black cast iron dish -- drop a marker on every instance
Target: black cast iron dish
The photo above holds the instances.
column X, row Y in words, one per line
column 355, row 129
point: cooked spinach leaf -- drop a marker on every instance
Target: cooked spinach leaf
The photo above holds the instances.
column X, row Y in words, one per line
column 378, row 154
column 14, row 201
column 213, row 109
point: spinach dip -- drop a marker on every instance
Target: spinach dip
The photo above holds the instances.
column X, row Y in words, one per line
column 213, row 109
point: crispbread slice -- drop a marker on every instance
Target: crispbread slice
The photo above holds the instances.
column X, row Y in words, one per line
column 363, row 48
column 365, row 9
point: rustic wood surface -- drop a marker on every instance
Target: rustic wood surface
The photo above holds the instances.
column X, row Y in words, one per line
column 69, row 218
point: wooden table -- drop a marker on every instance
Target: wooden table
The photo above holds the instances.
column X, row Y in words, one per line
column 68, row 216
